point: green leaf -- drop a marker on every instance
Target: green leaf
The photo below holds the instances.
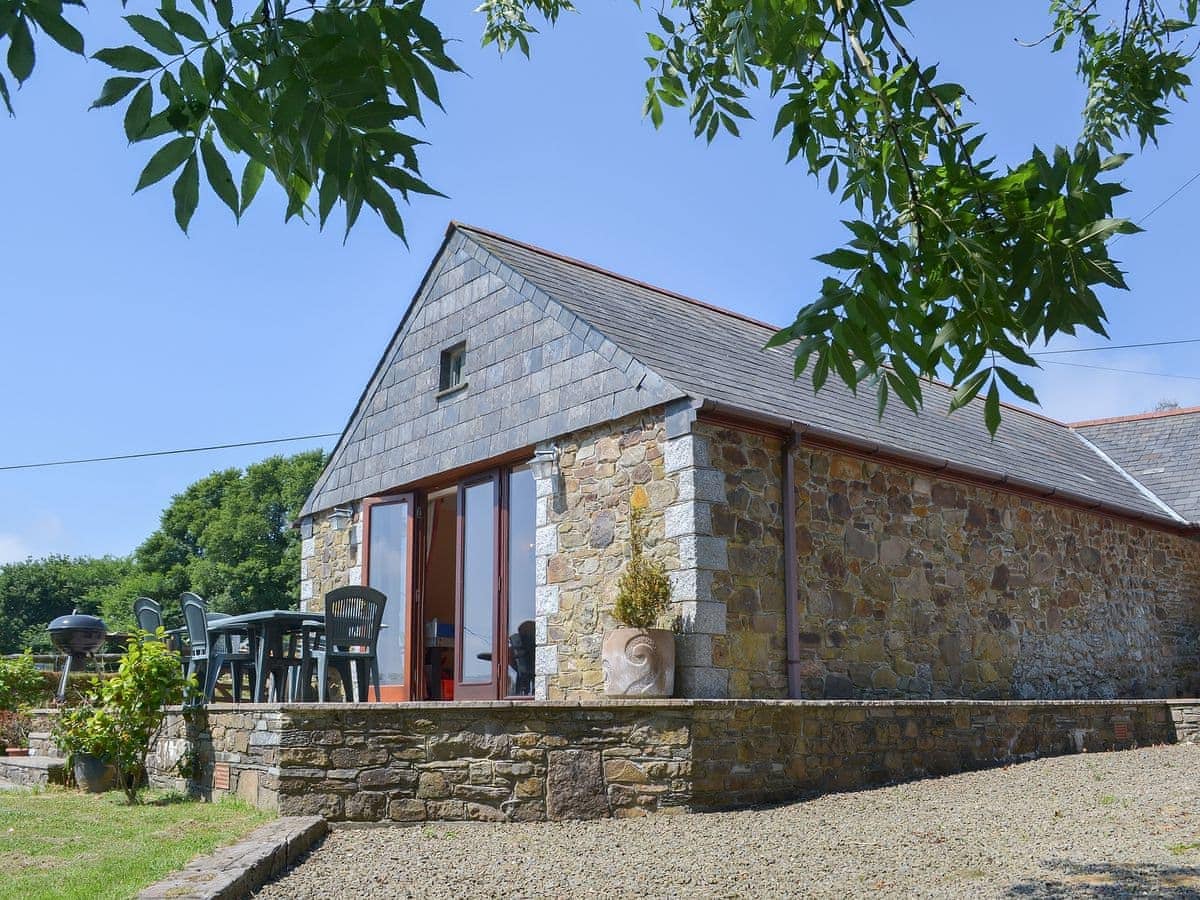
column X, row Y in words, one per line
column 991, row 408
column 252, row 179
column 192, row 82
column 1017, row 386
column 1102, row 229
column 170, row 156
column 947, row 333
column 187, row 192
column 4, row 95
column 116, row 89
column 137, row 116
column 219, row 175
column 60, row 30
column 656, row 43
column 237, row 134
column 969, row 390
column 327, row 196
column 156, row 34
column 381, row 201
column 20, row 51
column 842, row 258
column 127, row 59
column 779, row 338
column 185, row 24
column 214, row 71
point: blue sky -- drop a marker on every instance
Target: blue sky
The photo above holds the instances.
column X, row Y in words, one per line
column 120, row 334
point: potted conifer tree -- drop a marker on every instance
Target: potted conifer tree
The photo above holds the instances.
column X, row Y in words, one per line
column 639, row 659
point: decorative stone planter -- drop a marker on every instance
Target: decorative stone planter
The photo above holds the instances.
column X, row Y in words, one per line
column 94, row 775
column 639, row 662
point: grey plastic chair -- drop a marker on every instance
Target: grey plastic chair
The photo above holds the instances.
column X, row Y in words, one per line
column 148, row 614
column 207, row 654
column 353, row 617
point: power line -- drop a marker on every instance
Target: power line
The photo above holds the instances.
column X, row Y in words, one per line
column 1117, row 347
column 1055, row 362
column 95, row 459
column 1175, row 193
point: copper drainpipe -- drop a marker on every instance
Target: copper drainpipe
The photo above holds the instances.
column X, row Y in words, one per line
column 789, row 563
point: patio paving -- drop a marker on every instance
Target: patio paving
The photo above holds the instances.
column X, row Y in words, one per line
column 1091, row 825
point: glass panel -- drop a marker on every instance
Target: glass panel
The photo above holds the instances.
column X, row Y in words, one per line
column 479, row 581
column 389, row 573
column 521, row 640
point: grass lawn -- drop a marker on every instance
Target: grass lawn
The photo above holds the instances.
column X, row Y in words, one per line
column 58, row 843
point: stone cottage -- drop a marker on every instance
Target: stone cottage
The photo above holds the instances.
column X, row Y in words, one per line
column 815, row 551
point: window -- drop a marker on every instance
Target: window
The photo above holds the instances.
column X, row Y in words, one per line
column 453, row 359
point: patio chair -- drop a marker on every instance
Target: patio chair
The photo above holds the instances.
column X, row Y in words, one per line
column 148, row 614
column 353, row 616
column 207, row 656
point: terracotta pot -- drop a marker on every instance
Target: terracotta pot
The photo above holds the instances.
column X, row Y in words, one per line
column 639, row 662
column 17, row 751
column 93, row 774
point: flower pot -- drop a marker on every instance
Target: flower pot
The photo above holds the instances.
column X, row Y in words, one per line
column 639, row 662
column 93, row 774
column 17, row 751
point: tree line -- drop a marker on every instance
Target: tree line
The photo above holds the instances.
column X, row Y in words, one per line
column 228, row 537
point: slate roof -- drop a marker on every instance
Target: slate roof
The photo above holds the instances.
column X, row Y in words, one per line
column 533, row 371
column 717, row 355
column 1161, row 450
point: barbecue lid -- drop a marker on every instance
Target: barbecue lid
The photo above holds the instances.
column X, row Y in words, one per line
column 77, row 621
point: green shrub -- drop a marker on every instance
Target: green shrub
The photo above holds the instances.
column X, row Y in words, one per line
column 20, row 682
column 120, row 715
column 644, row 590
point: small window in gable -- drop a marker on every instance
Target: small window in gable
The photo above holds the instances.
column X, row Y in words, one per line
column 453, row 360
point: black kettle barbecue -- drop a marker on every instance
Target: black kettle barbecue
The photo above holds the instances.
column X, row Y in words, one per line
column 78, row 636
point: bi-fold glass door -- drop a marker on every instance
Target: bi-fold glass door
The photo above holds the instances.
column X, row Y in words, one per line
column 479, row 587
column 390, row 546
column 467, row 570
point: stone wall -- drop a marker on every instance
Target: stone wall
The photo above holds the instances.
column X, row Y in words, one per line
column 329, row 557
column 221, row 750
column 529, row 761
column 751, row 588
column 746, row 752
column 583, row 543
column 913, row 586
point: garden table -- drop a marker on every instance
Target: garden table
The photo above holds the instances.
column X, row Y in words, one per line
column 266, row 630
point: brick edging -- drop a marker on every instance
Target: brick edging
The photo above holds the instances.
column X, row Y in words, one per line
column 238, row 870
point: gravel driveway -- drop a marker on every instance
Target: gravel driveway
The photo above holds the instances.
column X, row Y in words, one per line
column 1093, row 825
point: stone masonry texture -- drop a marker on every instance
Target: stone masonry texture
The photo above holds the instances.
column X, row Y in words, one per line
column 913, row 586
column 750, row 521
column 583, row 543
column 531, row 761
column 329, row 557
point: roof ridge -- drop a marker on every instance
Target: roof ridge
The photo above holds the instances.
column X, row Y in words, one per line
column 1136, row 417
column 592, row 267
column 629, row 279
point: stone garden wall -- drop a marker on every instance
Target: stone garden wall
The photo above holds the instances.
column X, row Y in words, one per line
column 221, row 750
column 529, row 761
column 913, row 586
